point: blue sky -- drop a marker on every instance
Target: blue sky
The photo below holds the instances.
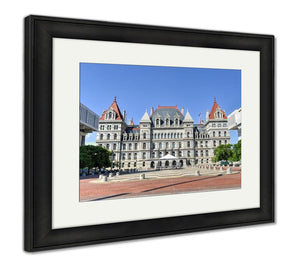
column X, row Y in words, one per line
column 139, row 87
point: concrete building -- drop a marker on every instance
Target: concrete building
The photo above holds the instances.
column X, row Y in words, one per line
column 88, row 123
column 167, row 130
column 235, row 122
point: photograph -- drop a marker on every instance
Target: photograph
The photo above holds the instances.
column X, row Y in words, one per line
column 149, row 130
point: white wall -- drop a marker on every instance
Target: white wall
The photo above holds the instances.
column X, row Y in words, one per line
column 255, row 244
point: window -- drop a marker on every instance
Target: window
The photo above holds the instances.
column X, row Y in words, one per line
column 115, row 147
column 176, row 121
column 201, row 153
column 167, row 122
column 180, row 154
column 179, row 144
column 167, row 145
column 219, row 125
column 196, row 153
column 135, row 146
column 107, row 146
column 102, row 127
column 225, row 142
column 160, row 154
column 153, row 154
column 144, row 136
column 214, row 133
column 108, row 136
column 101, row 136
column 109, row 127
column 115, row 136
column 115, row 126
column 114, row 156
column 173, row 144
column 129, row 156
column 213, row 125
column 201, row 144
column 180, row 135
column 144, row 145
column 224, row 133
column 123, row 156
column 188, row 144
column 157, row 122
column 188, row 134
column 188, row 153
column 220, row 142
column 109, row 115
column 124, row 146
column 206, row 153
column 144, row 163
column 144, row 155
column 135, row 155
column 130, row 146
column 219, row 133
column 206, row 143
column 224, row 125
column 155, row 136
column 160, row 145
column 215, row 144
column 128, row 164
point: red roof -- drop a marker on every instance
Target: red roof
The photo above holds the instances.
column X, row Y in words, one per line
column 116, row 108
column 213, row 110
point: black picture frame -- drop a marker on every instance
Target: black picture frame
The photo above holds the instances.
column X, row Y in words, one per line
column 39, row 32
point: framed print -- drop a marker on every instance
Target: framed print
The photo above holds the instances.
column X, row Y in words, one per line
column 135, row 131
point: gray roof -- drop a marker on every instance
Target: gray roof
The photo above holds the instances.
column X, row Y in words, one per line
column 164, row 111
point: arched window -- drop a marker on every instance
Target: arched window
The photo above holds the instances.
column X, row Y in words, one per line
column 154, row 135
column 101, row 136
column 135, row 146
column 157, row 122
column 160, row 154
column 176, row 121
column 214, row 143
column 188, row 134
column 109, row 115
column 144, row 155
column 180, row 154
column 153, row 154
column 168, row 135
column 173, row 144
column 144, row 145
column 108, row 136
column 188, row 153
column 206, row 153
column 130, row 146
column 129, row 156
column 179, row 144
column 124, row 146
column 123, row 156
column 220, row 142
column 180, row 135
column 167, row 144
column 160, row 145
column 115, row 146
column 135, row 155
column 219, row 133
column 167, row 122
column 224, row 133
column 214, row 133
column 144, row 136
column 165, row 135
column 107, row 146
column 109, row 127
column 188, row 144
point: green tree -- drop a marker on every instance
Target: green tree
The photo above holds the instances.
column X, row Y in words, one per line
column 223, row 152
column 237, row 151
column 94, row 157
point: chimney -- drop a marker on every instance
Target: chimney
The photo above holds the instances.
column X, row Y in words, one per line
column 182, row 110
column 124, row 116
column 207, row 115
column 151, row 111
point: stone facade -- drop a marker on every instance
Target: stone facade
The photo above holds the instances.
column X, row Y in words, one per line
column 167, row 130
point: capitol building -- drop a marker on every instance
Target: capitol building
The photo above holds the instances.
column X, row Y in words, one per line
column 166, row 137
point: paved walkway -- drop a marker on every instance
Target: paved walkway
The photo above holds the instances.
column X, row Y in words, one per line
column 158, row 183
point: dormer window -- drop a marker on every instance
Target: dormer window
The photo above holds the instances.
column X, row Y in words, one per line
column 167, row 122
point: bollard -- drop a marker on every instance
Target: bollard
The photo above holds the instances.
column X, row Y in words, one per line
column 104, row 178
column 110, row 175
column 197, row 173
column 100, row 176
column 142, row 176
column 228, row 171
column 117, row 173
